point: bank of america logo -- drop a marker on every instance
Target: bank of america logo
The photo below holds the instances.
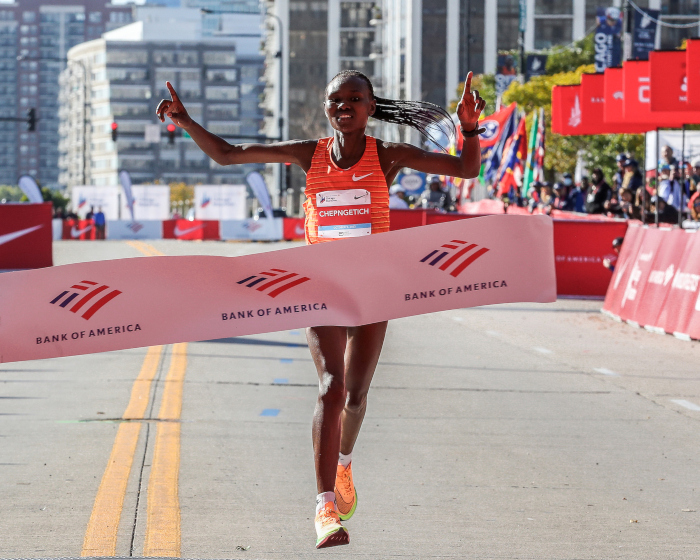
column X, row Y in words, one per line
column 274, row 282
column 460, row 255
column 82, row 295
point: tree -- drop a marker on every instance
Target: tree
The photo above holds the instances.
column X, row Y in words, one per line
column 181, row 197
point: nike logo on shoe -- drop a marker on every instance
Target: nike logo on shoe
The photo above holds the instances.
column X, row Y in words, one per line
column 15, row 234
column 356, row 178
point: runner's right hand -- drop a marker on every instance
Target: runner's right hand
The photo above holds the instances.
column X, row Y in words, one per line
column 174, row 109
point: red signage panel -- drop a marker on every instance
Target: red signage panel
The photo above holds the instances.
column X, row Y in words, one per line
column 668, row 81
column 25, row 236
column 692, row 66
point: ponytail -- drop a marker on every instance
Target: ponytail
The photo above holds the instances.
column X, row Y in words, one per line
column 431, row 120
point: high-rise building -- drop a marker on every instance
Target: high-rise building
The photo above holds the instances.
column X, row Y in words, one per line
column 217, row 78
column 35, row 36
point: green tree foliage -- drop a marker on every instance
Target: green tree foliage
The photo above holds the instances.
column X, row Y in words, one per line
column 10, row 194
column 565, row 59
column 55, row 197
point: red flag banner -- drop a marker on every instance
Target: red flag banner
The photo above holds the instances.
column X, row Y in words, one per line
column 692, row 66
column 593, row 102
column 668, row 81
column 494, row 125
column 637, row 100
column 614, row 93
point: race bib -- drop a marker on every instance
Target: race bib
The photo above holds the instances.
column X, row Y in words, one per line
column 344, row 213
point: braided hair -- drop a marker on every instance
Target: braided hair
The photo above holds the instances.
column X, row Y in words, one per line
column 431, row 120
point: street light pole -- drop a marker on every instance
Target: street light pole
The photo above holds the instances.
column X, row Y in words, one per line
column 280, row 116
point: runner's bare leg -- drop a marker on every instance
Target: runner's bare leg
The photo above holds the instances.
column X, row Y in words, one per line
column 327, row 345
column 361, row 357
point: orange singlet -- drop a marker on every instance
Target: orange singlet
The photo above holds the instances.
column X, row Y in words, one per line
column 345, row 202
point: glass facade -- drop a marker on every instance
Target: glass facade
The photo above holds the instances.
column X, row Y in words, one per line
column 35, row 36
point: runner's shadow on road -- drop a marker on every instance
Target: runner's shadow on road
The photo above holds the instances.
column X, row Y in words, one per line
column 256, row 342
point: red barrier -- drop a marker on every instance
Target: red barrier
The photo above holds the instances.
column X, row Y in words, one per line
column 293, row 229
column 25, row 235
column 580, row 245
column 78, row 230
column 656, row 281
column 191, row 229
column 579, row 249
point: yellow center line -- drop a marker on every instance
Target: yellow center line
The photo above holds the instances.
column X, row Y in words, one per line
column 145, row 248
column 163, row 510
column 101, row 534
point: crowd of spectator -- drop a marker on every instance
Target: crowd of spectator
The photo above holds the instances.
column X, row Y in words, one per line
column 629, row 195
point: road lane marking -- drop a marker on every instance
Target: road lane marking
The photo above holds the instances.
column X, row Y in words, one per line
column 686, row 404
column 163, row 509
column 541, row 350
column 145, row 248
column 606, row 371
column 101, row 533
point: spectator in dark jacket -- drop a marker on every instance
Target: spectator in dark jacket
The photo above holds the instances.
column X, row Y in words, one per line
column 598, row 193
column 667, row 213
column 576, row 201
column 632, row 179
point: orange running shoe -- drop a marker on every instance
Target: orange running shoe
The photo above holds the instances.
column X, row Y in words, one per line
column 329, row 530
column 345, row 495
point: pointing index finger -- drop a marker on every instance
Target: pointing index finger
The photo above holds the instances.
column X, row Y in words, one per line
column 172, row 91
column 468, row 84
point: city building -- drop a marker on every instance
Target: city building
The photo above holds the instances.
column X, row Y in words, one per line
column 35, row 36
column 217, row 78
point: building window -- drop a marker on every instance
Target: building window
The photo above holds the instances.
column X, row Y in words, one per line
column 29, row 17
column 95, row 17
column 554, row 7
column 163, row 57
column 221, row 93
column 220, row 57
column 221, row 75
column 550, row 32
column 127, row 57
column 187, row 57
column 225, row 128
column 222, row 112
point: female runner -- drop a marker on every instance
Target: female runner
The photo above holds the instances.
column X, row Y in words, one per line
column 350, row 164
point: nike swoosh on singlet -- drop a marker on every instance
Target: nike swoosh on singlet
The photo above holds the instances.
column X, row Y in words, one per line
column 354, row 178
column 178, row 232
column 15, row 234
column 74, row 233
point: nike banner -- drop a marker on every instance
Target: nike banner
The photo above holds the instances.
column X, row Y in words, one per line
column 26, row 235
column 111, row 305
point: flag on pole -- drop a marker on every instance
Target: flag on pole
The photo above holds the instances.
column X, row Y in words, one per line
column 491, row 157
column 538, row 167
column 528, row 177
column 510, row 173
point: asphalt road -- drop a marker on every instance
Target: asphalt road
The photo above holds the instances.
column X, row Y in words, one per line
column 521, row 431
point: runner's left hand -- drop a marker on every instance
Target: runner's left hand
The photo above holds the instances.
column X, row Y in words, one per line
column 470, row 106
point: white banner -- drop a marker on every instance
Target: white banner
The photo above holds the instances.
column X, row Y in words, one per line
column 85, row 197
column 130, row 303
column 28, row 185
column 220, row 202
column 673, row 138
column 259, row 187
column 139, row 229
column 151, row 202
column 264, row 229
